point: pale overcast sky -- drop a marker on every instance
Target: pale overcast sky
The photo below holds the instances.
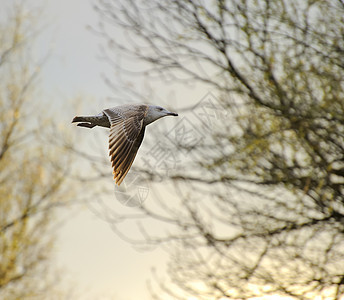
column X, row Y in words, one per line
column 92, row 259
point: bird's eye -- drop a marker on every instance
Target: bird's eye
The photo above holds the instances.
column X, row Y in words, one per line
column 160, row 108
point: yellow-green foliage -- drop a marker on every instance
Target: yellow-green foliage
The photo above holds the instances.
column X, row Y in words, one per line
column 32, row 170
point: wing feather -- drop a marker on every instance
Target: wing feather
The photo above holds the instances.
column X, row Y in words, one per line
column 129, row 161
column 125, row 138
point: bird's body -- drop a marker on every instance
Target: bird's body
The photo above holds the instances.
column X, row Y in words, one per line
column 127, row 125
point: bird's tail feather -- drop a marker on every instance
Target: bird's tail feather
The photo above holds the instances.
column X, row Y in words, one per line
column 86, row 121
column 78, row 119
column 88, row 125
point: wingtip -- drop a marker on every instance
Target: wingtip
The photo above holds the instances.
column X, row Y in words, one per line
column 117, row 181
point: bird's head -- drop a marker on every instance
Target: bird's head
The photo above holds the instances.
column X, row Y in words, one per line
column 156, row 112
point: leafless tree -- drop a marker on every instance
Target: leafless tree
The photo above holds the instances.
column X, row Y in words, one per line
column 260, row 200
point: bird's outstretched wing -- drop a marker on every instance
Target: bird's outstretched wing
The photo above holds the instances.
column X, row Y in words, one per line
column 126, row 135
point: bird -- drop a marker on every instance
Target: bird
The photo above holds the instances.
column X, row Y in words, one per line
column 127, row 125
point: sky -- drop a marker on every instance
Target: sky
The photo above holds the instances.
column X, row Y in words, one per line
column 94, row 262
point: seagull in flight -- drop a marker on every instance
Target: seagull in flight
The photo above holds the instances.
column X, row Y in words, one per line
column 127, row 125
